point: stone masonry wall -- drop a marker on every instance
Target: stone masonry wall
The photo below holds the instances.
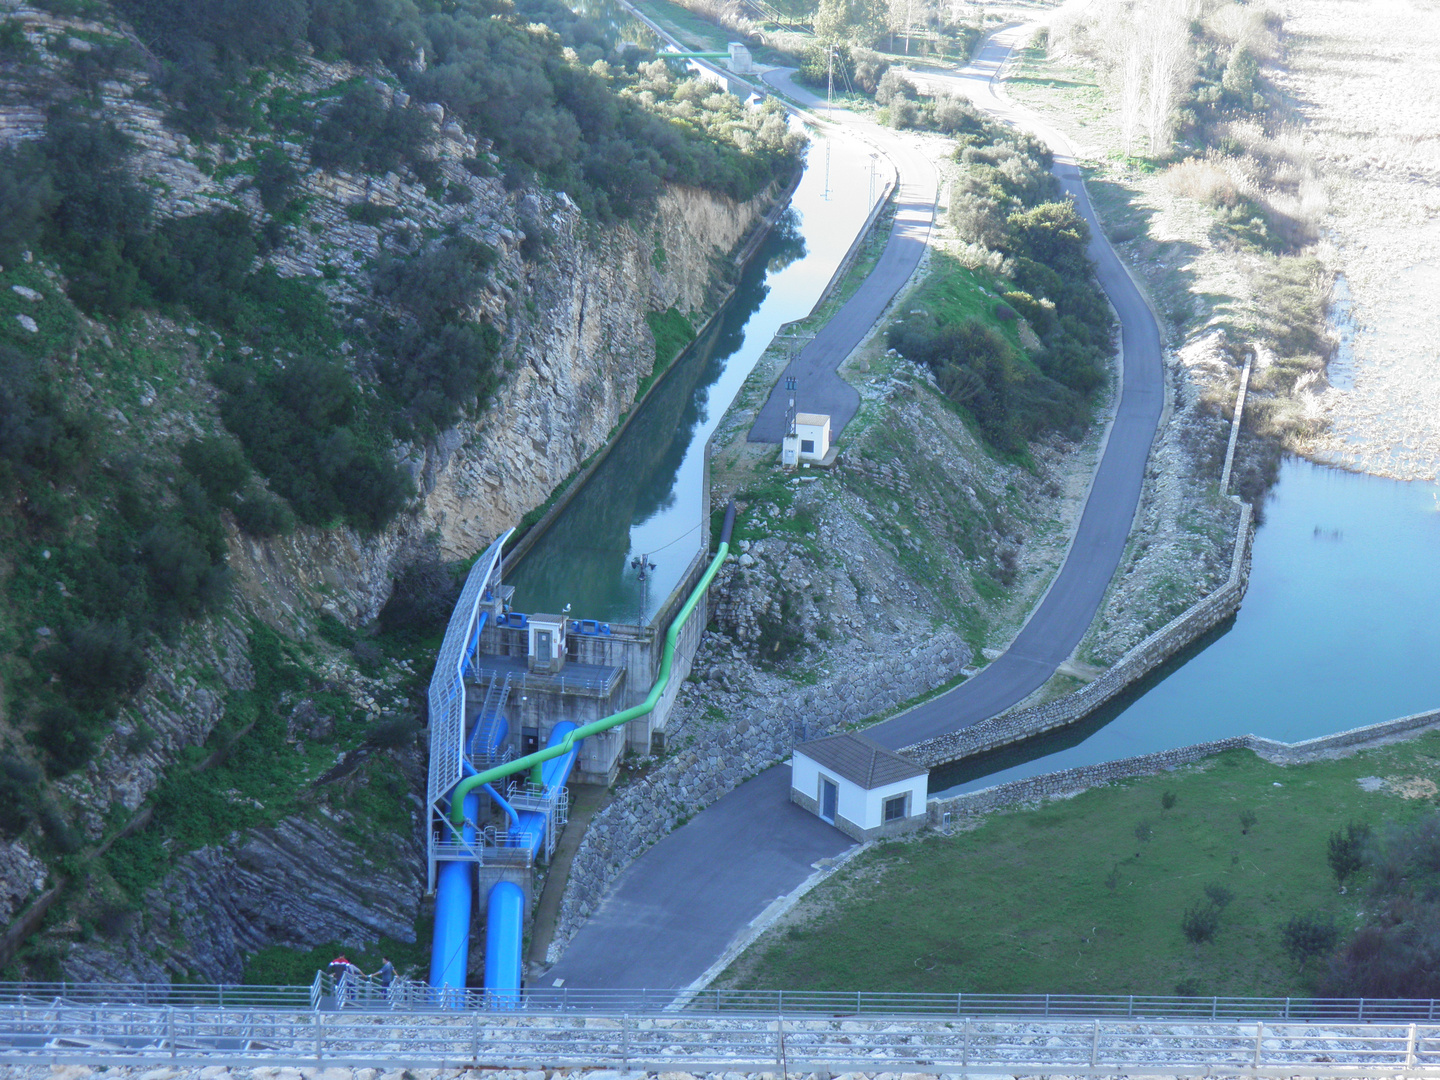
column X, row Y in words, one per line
column 1073, row 781
column 1145, row 657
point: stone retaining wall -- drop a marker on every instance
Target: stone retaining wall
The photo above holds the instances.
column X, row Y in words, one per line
column 1143, row 658
column 1073, row 781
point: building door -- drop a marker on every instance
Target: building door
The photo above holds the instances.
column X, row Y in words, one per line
column 542, row 648
column 829, row 796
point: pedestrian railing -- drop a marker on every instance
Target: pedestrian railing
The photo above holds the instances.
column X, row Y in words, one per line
column 406, row 994
column 117, row 1035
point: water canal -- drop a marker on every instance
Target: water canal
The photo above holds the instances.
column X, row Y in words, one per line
column 647, row 496
column 1338, row 629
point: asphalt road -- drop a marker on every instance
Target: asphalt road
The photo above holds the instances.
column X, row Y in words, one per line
column 819, row 388
column 674, row 911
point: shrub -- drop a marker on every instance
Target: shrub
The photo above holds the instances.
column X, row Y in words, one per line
column 1200, row 923
column 361, row 134
column 18, row 780
column 64, row 735
column 98, row 662
column 1247, row 821
column 39, row 435
column 1305, row 936
column 1168, row 800
column 219, row 466
column 1346, row 850
column 275, row 177
column 296, row 426
column 262, row 514
column 1218, row 895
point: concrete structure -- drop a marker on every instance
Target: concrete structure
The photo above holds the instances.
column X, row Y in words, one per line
column 740, row 61
column 810, row 441
column 858, row 786
column 546, row 643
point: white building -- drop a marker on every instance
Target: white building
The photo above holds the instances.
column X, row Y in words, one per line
column 858, row 786
column 810, row 441
column 740, row 60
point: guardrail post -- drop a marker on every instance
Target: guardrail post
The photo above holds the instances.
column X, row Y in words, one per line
column 1362, row 1011
column 475, row 1037
column 1047, row 1006
column 1410, row 1048
column 1094, row 1043
column 625, row 1040
column 960, row 1004
column 319, row 1037
column 1287, row 1008
column 1214, row 1007
column 1130, row 1008
column 965, row 1047
column 222, row 995
column 1259, row 1037
column 170, row 1030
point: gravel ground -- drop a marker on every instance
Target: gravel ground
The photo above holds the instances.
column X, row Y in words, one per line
column 1369, row 91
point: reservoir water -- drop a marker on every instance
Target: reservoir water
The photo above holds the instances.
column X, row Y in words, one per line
column 1340, row 627
column 646, row 497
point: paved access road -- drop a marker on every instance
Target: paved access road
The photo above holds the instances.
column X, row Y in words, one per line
column 819, row 388
column 678, row 907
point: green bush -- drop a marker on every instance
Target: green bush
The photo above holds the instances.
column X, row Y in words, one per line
column 64, row 735
column 360, row 134
column 40, row 436
column 297, row 425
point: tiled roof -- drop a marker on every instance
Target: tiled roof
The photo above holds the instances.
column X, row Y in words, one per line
column 860, row 760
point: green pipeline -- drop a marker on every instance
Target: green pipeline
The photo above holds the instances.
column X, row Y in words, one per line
column 529, row 761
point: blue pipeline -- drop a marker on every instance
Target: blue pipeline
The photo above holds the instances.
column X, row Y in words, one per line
column 454, row 894
column 505, row 914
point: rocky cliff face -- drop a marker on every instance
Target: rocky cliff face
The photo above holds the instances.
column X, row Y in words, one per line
column 569, row 299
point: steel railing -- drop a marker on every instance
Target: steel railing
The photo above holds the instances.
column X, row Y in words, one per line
column 181, row 995
column 759, row 1003
column 134, row 1036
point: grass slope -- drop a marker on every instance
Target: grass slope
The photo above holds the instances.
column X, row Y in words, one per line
column 1069, row 898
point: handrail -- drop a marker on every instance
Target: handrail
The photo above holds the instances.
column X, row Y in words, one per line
column 535, row 760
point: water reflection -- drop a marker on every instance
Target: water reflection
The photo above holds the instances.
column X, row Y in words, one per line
column 646, row 497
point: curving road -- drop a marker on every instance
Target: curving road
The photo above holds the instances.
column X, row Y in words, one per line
column 675, row 911
column 819, row 388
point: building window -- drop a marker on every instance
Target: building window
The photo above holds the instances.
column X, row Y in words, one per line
column 895, row 807
column 807, row 446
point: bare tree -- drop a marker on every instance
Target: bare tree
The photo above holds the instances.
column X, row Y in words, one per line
column 1169, row 68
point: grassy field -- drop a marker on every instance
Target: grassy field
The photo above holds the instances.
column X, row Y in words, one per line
column 1086, row 895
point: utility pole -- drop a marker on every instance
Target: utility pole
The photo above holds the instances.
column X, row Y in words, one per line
column 829, row 115
column 645, row 566
column 790, row 386
column 873, row 157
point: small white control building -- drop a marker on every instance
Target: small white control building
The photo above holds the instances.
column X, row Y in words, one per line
column 809, row 442
column 858, row 786
column 740, row 60
column 547, row 643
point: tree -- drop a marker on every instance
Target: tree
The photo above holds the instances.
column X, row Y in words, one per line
column 1346, row 852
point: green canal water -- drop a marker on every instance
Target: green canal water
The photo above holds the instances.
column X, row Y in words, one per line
column 646, row 497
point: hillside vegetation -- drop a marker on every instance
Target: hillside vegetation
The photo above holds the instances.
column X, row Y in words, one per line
column 196, row 356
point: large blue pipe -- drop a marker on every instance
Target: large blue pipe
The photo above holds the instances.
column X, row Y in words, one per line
column 454, row 895
column 505, row 912
column 505, row 915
